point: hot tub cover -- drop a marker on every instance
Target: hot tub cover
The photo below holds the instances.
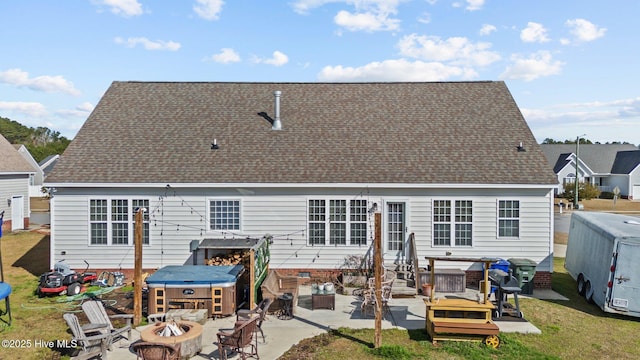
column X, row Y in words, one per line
column 195, row 274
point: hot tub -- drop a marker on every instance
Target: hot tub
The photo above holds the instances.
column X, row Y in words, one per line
column 194, row 287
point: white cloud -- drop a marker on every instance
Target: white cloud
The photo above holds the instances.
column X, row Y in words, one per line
column 46, row 83
column 603, row 121
column 278, row 59
column 473, row 5
column 208, row 9
column 304, row 6
column 367, row 21
column 226, row 56
column 457, row 50
column 26, row 108
column 539, row 64
column 585, row 31
column 487, row 29
column 369, row 15
column 534, row 32
column 124, row 7
column 82, row 111
column 395, row 70
column 148, row 44
column 425, row 18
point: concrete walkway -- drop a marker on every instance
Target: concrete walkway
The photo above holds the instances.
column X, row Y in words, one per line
column 281, row 335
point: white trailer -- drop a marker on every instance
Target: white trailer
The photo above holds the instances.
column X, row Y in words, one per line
column 603, row 254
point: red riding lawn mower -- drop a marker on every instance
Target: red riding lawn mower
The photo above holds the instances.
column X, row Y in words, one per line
column 62, row 280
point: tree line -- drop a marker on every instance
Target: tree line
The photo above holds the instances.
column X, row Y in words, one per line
column 41, row 141
column 584, row 141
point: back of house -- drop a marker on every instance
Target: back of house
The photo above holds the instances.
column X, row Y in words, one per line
column 307, row 164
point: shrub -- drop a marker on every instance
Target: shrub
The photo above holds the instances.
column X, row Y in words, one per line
column 586, row 191
column 606, row 195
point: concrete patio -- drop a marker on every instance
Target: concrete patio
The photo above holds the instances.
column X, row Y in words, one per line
column 408, row 313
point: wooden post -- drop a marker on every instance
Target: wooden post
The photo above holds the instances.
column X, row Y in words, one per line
column 377, row 264
column 252, row 278
column 137, row 275
column 432, row 279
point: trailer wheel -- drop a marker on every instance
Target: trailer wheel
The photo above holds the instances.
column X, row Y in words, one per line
column 73, row 289
column 588, row 292
column 492, row 341
column 581, row 285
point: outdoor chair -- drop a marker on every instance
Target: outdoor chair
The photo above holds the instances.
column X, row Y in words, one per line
column 97, row 314
column 386, row 298
column 242, row 339
column 93, row 343
column 156, row 351
column 260, row 311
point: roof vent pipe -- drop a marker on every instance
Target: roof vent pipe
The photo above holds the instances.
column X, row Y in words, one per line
column 277, row 125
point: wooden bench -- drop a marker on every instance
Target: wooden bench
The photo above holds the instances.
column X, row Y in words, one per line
column 276, row 285
column 465, row 328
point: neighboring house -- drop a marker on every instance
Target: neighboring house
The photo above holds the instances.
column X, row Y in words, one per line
column 15, row 174
column 48, row 163
column 37, row 179
column 625, row 173
column 603, row 165
column 308, row 163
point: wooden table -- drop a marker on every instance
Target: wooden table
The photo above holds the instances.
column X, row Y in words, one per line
column 322, row 299
column 459, row 319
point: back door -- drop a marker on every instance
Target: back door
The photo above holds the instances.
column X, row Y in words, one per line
column 625, row 294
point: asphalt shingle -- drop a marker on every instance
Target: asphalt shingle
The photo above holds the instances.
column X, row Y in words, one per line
column 396, row 133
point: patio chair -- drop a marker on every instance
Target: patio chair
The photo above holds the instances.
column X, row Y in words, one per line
column 386, row 298
column 96, row 313
column 260, row 311
column 146, row 350
column 242, row 339
column 93, row 343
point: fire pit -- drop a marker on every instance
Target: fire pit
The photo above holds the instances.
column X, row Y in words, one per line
column 190, row 338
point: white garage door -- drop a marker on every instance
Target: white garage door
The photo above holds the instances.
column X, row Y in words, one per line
column 636, row 192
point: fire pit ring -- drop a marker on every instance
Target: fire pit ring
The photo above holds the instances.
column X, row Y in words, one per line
column 190, row 341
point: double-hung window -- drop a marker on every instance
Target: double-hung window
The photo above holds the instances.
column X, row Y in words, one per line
column 224, row 214
column 452, row 220
column 337, row 222
column 112, row 221
column 508, row 218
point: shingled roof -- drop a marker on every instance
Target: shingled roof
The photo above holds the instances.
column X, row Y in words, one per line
column 598, row 157
column 332, row 133
column 11, row 161
column 626, row 162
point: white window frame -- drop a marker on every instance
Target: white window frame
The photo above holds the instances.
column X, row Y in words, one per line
column 210, row 215
column 127, row 218
column 452, row 220
column 499, row 218
column 330, row 221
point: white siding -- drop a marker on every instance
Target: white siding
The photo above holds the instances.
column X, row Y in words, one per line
column 622, row 182
column 14, row 185
column 177, row 218
column 634, row 180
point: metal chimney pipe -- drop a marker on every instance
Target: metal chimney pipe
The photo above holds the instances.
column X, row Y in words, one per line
column 277, row 125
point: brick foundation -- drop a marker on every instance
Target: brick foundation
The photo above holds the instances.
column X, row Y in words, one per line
column 6, row 225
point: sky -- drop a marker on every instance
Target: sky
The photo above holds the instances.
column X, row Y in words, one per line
column 570, row 65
